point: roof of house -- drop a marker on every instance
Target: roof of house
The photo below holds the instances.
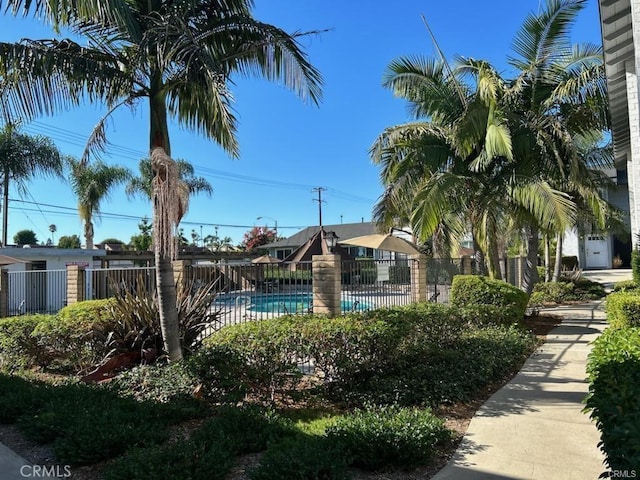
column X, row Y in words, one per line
column 343, row 231
column 315, row 246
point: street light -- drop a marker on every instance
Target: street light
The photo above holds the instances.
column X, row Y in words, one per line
column 274, row 221
column 332, row 239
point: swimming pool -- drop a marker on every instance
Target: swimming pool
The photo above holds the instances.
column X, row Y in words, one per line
column 292, row 303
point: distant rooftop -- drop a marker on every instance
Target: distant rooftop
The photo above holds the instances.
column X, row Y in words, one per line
column 342, row 230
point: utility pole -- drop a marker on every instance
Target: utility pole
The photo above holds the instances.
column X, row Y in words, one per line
column 319, row 190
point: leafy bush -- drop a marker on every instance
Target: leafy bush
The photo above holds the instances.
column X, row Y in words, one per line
column 471, row 290
column 614, row 395
column 623, row 309
column 389, row 436
column 551, row 292
column 624, row 286
column 302, row 458
column 77, row 337
column 261, row 355
column 249, row 429
column 19, row 349
column 183, row 459
column 635, row 265
column 19, row 396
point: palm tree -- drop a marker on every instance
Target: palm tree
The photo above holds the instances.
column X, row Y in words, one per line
column 180, row 55
column 143, row 184
column 91, row 184
column 456, row 170
column 558, row 95
column 53, row 229
column 23, row 157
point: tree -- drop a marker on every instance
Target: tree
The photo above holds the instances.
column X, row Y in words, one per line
column 25, row 237
column 91, row 184
column 215, row 243
column 143, row 185
column 180, row 55
column 258, row 236
column 144, row 240
column 69, row 241
column 23, row 157
column 558, row 96
column 53, row 229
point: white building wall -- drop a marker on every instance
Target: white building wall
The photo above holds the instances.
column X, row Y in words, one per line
column 633, row 156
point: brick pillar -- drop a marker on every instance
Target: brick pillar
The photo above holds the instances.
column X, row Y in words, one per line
column 75, row 284
column 181, row 274
column 418, row 278
column 327, row 285
column 4, row 293
column 467, row 265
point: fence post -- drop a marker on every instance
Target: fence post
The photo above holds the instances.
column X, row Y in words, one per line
column 467, row 265
column 418, row 278
column 327, row 285
column 181, row 275
column 76, row 275
column 4, row 293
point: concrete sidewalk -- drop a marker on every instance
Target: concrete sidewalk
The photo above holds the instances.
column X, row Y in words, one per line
column 533, row 427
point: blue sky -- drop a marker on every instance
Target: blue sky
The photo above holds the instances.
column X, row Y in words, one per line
column 287, row 147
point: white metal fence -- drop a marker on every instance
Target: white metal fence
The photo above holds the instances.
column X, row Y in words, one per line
column 36, row 291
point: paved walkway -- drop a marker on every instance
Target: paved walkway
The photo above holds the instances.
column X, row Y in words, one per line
column 533, row 427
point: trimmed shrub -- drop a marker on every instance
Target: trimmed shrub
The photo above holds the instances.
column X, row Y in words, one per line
column 623, row 309
column 471, row 290
column 249, row 429
column 381, row 437
column 19, row 396
column 302, row 458
column 88, row 424
column 183, row 459
column 551, row 292
column 262, row 356
column 635, row 265
column 19, row 349
column 78, row 337
column 614, row 395
column 624, row 286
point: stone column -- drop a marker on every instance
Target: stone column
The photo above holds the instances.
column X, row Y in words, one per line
column 467, row 265
column 76, row 275
column 4, row 293
column 181, row 274
column 327, row 285
column 418, row 265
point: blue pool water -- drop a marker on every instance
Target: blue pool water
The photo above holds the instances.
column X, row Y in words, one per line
column 292, row 303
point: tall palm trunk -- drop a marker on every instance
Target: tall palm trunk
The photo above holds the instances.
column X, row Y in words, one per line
column 530, row 274
column 547, row 258
column 5, row 206
column 163, row 224
column 88, row 234
column 557, row 270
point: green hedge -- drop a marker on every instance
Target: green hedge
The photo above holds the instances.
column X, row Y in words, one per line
column 471, row 290
column 623, row 309
column 625, row 285
column 614, row 395
column 401, row 354
column 77, row 337
column 19, row 348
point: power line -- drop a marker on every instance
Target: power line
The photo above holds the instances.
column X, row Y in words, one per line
column 79, row 140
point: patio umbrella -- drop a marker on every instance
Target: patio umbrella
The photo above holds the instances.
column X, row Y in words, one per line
column 383, row 242
column 266, row 259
